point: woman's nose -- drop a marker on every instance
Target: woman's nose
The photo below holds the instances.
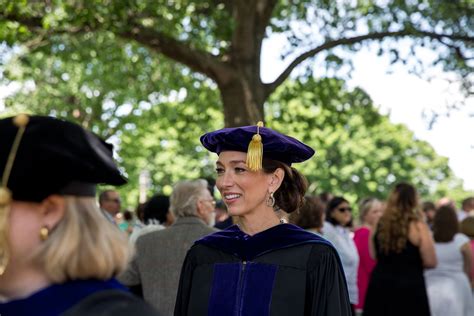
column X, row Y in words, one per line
column 225, row 180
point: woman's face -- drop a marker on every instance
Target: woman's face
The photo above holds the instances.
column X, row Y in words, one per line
column 342, row 213
column 374, row 214
column 243, row 190
column 23, row 232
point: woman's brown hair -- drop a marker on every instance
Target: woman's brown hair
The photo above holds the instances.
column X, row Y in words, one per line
column 401, row 210
column 445, row 224
column 310, row 215
column 289, row 197
column 467, row 227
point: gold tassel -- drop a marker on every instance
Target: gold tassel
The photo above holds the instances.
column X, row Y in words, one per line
column 20, row 121
column 255, row 150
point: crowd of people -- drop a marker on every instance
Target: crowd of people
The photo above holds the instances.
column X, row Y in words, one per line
column 402, row 258
column 424, row 257
column 264, row 248
column 397, row 250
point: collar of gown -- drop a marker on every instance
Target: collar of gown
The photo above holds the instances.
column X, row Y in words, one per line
column 234, row 241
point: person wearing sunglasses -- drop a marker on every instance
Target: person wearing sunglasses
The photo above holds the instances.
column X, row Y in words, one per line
column 336, row 230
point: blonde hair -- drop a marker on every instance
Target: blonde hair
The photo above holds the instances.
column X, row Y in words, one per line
column 183, row 200
column 83, row 245
column 365, row 206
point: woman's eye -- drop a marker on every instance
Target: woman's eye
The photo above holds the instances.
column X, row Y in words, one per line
column 219, row 170
column 239, row 170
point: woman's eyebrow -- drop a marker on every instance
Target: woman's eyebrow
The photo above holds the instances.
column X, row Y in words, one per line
column 232, row 162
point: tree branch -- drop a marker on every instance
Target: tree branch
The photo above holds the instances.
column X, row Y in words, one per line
column 30, row 22
column 265, row 11
column 180, row 51
column 35, row 24
column 242, row 38
column 270, row 87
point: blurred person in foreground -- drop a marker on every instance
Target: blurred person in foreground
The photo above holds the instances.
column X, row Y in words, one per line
column 449, row 284
column 261, row 266
column 370, row 211
column 160, row 253
column 58, row 253
column 403, row 247
column 310, row 216
column 336, row 230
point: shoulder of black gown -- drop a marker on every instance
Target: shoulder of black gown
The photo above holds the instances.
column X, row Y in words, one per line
column 232, row 240
column 327, row 292
column 111, row 302
column 61, row 299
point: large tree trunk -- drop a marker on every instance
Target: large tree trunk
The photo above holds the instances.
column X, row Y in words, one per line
column 243, row 103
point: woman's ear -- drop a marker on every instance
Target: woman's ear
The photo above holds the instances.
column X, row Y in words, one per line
column 276, row 179
column 52, row 210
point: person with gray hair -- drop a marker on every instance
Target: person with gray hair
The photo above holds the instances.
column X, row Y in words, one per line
column 160, row 254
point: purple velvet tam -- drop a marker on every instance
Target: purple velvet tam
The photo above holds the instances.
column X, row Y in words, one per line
column 276, row 146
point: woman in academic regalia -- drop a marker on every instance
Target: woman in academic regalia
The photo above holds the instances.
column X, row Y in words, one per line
column 261, row 266
column 58, row 253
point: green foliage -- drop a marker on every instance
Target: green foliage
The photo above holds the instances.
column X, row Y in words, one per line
column 85, row 61
column 97, row 80
column 209, row 26
column 152, row 110
column 359, row 153
column 165, row 142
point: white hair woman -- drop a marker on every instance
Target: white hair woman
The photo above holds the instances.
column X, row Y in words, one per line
column 58, row 253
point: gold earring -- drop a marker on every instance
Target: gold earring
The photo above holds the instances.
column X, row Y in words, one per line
column 44, row 233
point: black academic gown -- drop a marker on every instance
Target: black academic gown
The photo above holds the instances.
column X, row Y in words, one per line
column 78, row 298
column 281, row 271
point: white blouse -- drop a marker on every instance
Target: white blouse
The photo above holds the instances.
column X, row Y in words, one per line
column 342, row 240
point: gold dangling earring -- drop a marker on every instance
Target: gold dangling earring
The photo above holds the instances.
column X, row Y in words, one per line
column 44, row 233
column 271, row 200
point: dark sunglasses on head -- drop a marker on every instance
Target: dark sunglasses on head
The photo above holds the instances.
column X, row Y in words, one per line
column 344, row 209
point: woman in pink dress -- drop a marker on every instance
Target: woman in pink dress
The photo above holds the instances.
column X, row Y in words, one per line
column 370, row 210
